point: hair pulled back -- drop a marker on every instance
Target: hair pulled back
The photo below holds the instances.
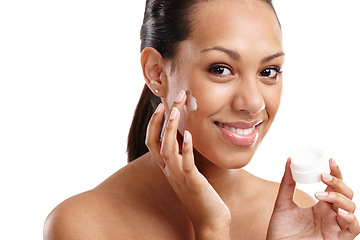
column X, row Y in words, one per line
column 166, row 23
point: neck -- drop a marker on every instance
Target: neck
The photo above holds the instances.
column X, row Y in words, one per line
column 226, row 182
column 221, row 179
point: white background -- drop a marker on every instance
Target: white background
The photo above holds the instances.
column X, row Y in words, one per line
column 70, row 79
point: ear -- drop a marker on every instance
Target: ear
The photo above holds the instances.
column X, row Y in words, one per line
column 153, row 69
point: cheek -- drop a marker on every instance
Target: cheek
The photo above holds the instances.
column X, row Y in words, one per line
column 207, row 100
column 272, row 97
column 210, row 99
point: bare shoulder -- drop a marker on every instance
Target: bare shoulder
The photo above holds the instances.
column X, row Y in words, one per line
column 101, row 213
column 78, row 217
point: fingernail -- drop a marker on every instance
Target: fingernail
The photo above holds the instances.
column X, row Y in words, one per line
column 186, row 136
column 174, row 113
column 335, row 165
column 327, row 177
column 342, row 211
column 321, row 194
column 180, row 97
column 159, row 108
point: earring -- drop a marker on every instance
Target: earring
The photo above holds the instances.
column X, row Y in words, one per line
column 156, row 91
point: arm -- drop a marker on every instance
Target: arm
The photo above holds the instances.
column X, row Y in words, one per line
column 69, row 221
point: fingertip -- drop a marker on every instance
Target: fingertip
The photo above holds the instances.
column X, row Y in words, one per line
column 345, row 215
column 333, row 163
column 187, row 143
column 180, row 96
column 334, row 169
column 288, row 162
column 343, row 212
column 159, row 108
column 158, row 114
column 180, row 100
column 174, row 113
column 187, row 136
column 321, row 195
column 288, row 173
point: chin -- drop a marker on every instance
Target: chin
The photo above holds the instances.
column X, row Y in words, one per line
column 234, row 159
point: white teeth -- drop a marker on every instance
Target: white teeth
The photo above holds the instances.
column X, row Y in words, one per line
column 240, row 131
column 237, row 130
column 248, row 131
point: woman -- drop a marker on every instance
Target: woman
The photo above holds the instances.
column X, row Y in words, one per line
column 215, row 66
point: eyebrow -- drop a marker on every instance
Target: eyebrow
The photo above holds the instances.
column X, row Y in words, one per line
column 269, row 58
column 236, row 56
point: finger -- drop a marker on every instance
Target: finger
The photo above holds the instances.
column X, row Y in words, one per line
column 338, row 200
column 353, row 228
column 336, row 185
column 188, row 163
column 285, row 196
column 169, row 148
column 179, row 104
column 152, row 140
column 335, row 170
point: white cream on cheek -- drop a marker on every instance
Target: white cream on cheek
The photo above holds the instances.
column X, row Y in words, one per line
column 191, row 104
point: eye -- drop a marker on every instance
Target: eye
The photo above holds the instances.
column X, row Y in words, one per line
column 220, row 70
column 271, row 72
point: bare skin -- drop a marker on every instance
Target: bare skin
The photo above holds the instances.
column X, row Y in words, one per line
column 137, row 202
column 191, row 185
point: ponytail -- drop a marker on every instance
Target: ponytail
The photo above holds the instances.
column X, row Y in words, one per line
column 137, row 134
column 165, row 24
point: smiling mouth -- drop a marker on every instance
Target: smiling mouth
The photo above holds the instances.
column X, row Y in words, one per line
column 240, row 133
column 237, row 130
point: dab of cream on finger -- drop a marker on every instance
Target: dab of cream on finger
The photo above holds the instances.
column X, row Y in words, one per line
column 191, row 104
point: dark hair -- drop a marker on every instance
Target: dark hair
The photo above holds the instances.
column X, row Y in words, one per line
column 166, row 23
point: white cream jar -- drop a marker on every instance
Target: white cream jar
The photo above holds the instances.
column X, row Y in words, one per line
column 308, row 164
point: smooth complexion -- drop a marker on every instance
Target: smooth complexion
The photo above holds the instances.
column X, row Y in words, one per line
column 233, row 67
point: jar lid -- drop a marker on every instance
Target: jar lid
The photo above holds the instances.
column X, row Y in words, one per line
column 307, row 159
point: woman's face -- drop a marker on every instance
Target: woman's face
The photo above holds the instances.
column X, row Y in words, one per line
column 231, row 63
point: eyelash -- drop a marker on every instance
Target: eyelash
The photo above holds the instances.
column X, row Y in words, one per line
column 276, row 69
column 213, row 69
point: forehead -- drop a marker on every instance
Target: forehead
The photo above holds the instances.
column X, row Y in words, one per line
column 241, row 25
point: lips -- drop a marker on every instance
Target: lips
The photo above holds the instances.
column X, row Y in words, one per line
column 240, row 133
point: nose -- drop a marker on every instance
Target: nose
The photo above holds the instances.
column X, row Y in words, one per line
column 248, row 97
